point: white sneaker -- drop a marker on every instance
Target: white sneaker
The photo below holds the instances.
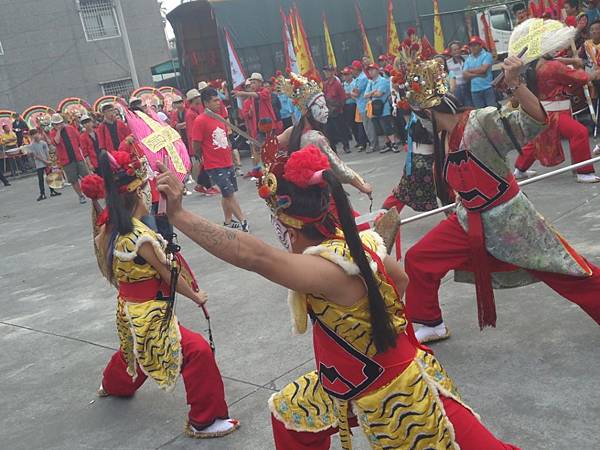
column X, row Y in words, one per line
column 519, row 175
column 431, row 334
column 596, row 151
column 587, row 178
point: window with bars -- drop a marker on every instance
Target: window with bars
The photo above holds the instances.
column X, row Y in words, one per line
column 99, row 19
column 120, row 88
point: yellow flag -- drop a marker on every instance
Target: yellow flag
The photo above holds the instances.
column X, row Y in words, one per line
column 331, row 62
column 438, row 34
column 393, row 42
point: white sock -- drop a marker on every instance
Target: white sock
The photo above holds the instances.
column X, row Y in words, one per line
column 423, row 331
column 219, row 426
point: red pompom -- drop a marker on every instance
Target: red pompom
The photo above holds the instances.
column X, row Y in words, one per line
column 92, row 187
column 123, row 159
column 411, row 31
column 264, row 192
column 103, row 218
column 303, row 164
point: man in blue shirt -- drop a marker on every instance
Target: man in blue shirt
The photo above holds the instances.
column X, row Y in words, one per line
column 478, row 69
column 355, row 128
column 593, row 10
column 359, row 86
column 379, row 93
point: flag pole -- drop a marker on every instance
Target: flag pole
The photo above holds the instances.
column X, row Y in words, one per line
column 369, row 217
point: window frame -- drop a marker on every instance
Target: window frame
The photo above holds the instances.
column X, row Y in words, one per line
column 82, row 10
column 126, row 79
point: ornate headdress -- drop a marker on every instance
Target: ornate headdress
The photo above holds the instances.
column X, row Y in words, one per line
column 303, row 168
column 421, row 78
column 129, row 170
column 301, row 90
column 426, row 84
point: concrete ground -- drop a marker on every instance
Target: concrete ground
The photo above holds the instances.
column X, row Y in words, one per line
column 534, row 379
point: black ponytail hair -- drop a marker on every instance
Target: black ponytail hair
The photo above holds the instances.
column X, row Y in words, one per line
column 120, row 206
column 295, row 142
column 452, row 106
column 384, row 335
column 314, row 202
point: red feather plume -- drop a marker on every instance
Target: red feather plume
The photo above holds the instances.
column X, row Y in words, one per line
column 92, row 187
column 303, row 164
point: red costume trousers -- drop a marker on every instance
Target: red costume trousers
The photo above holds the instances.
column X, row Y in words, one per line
column 203, row 383
column 579, row 143
column 470, row 433
column 446, row 247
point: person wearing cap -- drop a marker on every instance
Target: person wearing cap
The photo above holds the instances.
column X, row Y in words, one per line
column 521, row 13
column 260, row 113
column 89, row 141
column 455, row 64
column 112, row 131
column 68, row 151
column 177, row 118
column 478, row 70
column 359, row 85
column 195, row 108
column 335, row 96
column 350, row 107
column 379, row 92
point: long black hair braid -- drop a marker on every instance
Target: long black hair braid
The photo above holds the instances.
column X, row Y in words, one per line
column 384, row 335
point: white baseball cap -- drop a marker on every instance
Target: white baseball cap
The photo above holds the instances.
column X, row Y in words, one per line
column 256, row 77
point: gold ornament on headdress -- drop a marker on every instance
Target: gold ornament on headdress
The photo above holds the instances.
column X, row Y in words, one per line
column 301, row 90
column 426, row 84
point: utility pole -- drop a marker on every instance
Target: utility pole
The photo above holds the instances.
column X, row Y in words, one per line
column 127, row 44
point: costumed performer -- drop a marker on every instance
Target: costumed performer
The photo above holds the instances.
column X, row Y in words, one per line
column 152, row 342
column 308, row 97
column 553, row 82
column 371, row 370
column 495, row 227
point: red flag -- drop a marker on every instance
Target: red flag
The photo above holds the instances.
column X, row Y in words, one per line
column 288, row 45
column 427, row 50
column 363, row 32
column 489, row 38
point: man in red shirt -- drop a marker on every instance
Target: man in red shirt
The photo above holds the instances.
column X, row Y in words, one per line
column 335, row 96
column 195, row 108
column 209, row 138
column 260, row 111
column 112, row 131
column 88, row 140
column 68, row 152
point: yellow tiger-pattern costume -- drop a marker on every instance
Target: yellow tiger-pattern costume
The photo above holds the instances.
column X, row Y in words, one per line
column 147, row 339
column 404, row 414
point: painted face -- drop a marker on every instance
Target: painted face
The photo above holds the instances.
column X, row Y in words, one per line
column 147, row 196
column 282, row 233
column 319, row 109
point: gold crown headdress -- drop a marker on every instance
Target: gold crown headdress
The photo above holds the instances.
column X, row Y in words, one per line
column 426, row 84
column 300, row 89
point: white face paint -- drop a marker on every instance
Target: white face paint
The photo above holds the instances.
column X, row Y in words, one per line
column 147, row 196
column 282, row 233
column 319, row 109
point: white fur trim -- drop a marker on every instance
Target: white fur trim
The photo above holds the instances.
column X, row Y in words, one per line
column 350, row 267
column 298, row 312
column 156, row 244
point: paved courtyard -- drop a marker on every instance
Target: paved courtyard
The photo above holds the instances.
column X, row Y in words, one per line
column 534, row 380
